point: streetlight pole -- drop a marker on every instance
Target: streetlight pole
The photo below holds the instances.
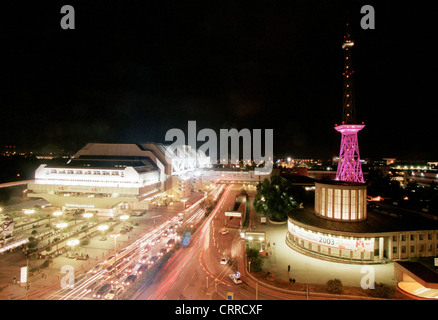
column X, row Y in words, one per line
column 27, row 279
column 115, row 235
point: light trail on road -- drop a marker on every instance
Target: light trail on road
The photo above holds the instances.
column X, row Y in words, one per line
column 197, row 247
column 79, row 289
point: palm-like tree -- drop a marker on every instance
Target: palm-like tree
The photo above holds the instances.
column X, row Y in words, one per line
column 274, row 198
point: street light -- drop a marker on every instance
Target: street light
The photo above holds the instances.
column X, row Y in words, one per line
column 61, row 225
column 115, row 236
column 87, row 215
column 57, row 213
column 103, row 228
column 124, row 218
column 72, row 243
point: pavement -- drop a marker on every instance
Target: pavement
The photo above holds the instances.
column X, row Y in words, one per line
column 305, row 269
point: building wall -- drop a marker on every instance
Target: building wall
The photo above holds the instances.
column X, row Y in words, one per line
column 413, row 244
column 348, row 246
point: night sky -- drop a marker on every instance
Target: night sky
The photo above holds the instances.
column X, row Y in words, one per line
column 131, row 70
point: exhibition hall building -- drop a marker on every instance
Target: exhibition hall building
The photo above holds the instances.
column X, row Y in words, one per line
column 107, row 178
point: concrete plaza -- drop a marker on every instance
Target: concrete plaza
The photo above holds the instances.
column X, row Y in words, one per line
column 305, row 269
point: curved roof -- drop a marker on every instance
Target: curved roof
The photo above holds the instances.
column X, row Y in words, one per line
column 375, row 222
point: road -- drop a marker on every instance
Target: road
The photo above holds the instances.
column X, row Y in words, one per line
column 121, row 265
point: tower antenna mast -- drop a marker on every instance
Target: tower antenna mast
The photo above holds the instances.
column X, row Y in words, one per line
column 349, row 166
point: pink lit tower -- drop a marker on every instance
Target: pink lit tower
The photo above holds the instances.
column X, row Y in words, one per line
column 349, row 167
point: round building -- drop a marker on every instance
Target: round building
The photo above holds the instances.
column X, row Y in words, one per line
column 340, row 228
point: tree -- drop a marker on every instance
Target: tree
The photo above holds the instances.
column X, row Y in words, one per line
column 334, row 286
column 381, row 291
column 274, row 198
column 208, row 203
column 253, row 256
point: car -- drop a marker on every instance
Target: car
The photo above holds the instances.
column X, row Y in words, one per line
column 224, row 260
column 119, row 278
column 235, row 279
column 109, row 258
column 143, row 268
column 144, row 259
column 97, row 268
column 162, row 252
column 102, row 291
column 224, row 231
column 114, row 293
column 129, row 280
column 135, row 268
column 130, row 268
column 92, row 286
column 170, row 243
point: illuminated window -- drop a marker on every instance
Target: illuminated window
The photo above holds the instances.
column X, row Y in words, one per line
column 323, row 209
column 337, row 204
column 345, row 204
column 330, row 203
column 353, row 204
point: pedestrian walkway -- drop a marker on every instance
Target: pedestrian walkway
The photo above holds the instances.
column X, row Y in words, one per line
column 305, row 269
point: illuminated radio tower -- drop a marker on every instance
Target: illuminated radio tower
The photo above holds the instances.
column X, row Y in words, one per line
column 349, row 167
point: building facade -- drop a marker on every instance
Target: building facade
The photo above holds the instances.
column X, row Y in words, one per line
column 348, row 232
column 109, row 178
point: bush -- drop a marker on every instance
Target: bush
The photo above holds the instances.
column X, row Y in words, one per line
column 334, row 286
column 46, row 263
column 381, row 291
column 34, row 270
column 255, row 259
column 33, row 244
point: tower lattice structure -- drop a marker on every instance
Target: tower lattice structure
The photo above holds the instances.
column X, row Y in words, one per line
column 349, row 166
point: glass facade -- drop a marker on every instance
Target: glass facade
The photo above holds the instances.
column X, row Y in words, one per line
column 346, row 203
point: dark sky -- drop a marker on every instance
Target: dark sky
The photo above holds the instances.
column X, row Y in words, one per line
column 131, row 70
